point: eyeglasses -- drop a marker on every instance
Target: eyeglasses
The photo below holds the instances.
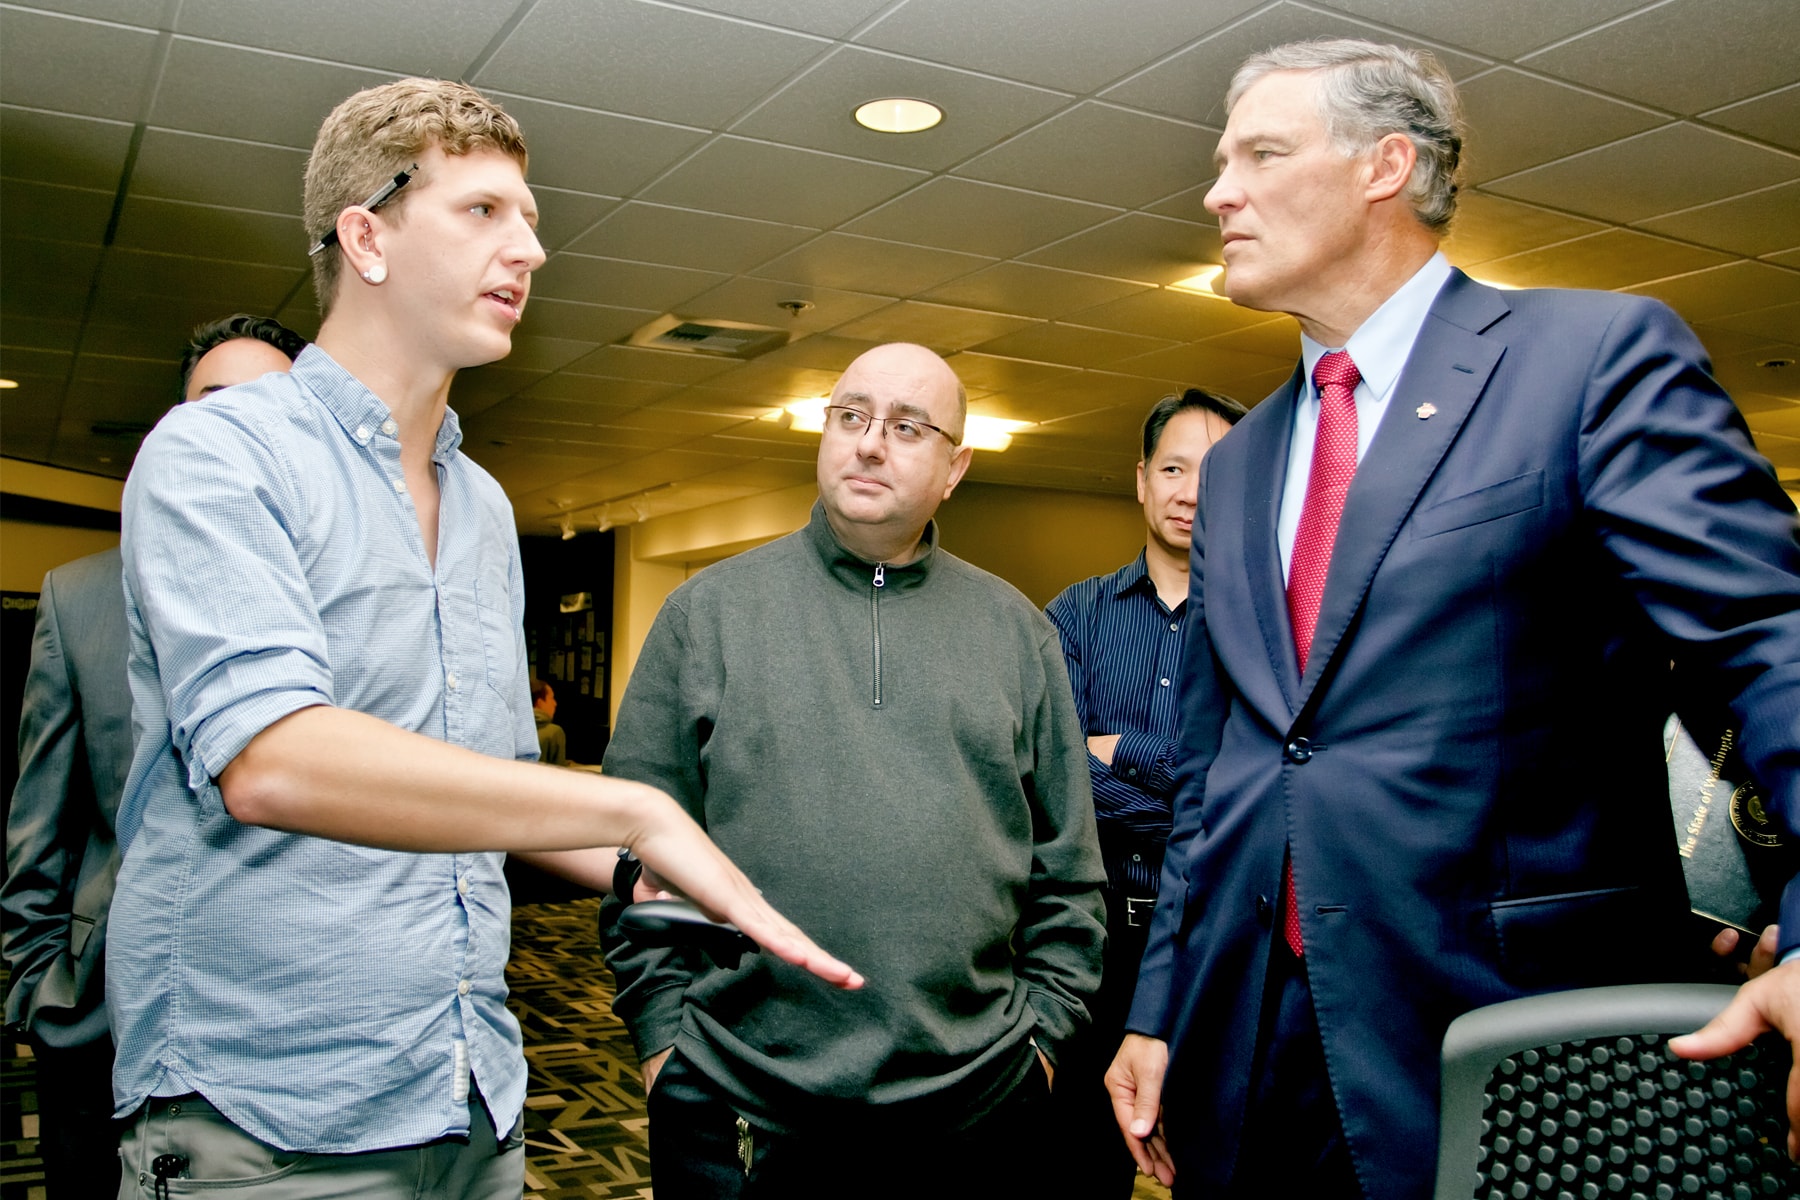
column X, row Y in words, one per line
column 382, row 195
column 908, row 431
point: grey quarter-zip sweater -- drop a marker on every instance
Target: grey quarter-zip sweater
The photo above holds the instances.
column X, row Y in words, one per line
column 892, row 754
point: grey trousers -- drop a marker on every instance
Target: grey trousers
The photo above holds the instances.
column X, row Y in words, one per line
column 220, row 1159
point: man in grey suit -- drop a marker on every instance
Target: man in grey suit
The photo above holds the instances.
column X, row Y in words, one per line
column 74, row 750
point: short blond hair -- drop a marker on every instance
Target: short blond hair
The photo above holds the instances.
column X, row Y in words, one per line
column 381, row 131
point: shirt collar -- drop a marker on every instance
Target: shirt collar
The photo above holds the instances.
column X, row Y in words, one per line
column 1133, row 575
column 360, row 411
column 1381, row 345
column 852, row 569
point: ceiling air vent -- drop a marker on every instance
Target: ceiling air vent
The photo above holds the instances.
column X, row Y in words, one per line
column 697, row 335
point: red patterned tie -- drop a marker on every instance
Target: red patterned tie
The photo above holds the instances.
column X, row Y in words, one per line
column 1333, row 463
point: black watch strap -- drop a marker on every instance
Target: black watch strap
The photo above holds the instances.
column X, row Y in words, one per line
column 625, row 875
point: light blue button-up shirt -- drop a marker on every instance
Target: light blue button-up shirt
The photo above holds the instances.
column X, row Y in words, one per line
column 324, row 997
column 1379, row 348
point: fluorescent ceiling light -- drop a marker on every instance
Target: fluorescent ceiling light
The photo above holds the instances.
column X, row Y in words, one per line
column 1200, row 283
column 982, row 433
column 896, row 114
column 1495, row 283
column 8, row 383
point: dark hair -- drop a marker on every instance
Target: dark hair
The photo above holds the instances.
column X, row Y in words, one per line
column 1225, row 407
column 229, row 329
column 540, row 691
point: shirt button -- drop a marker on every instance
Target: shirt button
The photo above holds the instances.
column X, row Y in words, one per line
column 462, row 885
column 1132, row 771
column 389, row 428
column 362, row 433
column 1174, row 628
column 1299, row 750
column 399, row 485
column 462, row 987
column 450, row 681
column 1165, row 683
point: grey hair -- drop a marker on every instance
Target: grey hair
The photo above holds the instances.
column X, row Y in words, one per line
column 1368, row 90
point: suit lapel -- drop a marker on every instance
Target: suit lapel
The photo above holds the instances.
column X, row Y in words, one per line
column 1449, row 367
column 1262, row 551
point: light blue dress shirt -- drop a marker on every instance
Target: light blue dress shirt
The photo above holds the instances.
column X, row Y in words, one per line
column 324, row 997
column 1379, row 348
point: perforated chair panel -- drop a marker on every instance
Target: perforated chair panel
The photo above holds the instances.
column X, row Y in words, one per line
column 1576, row 1095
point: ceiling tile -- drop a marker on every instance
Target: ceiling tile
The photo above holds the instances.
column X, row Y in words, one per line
column 1189, row 205
column 842, row 260
column 564, row 140
column 1753, row 223
column 76, row 214
column 816, row 110
column 621, row 55
column 1032, row 39
column 1136, row 246
column 70, row 151
column 1131, row 158
column 1495, row 29
column 549, row 317
column 206, row 170
column 943, row 328
column 1492, row 227
column 37, row 333
column 174, row 227
column 1518, row 121
column 758, row 302
column 1615, row 258
column 563, row 216
column 779, row 183
column 1787, row 258
column 960, row 214
column 620, row 283
column 1072, row 345
column 146, row 13
column 1030, row 291
column 986, row 373
column 1631, row 179
column 280, row 99
column 684, row 238
column 1202, row 364
column 1685, row 56
column 828, row 18
column 30, row 296
column 655, row 366
column 1191, row 85
column 537, row 353
column 31, row 259
column 1083, row 392
column 37, row 52
column 621, row 394
column 249, row 286
column 1721, row 291
column 1176, row 316
column 342, row 30
column 1782, row 322
column 821, row 352
column 1773, row 118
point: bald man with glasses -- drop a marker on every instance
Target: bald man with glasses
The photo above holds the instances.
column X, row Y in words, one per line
column 885, row 737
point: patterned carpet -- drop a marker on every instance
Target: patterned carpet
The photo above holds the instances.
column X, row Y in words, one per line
column 584, row 1114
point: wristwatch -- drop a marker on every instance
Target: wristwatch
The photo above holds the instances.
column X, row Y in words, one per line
column 625, row 875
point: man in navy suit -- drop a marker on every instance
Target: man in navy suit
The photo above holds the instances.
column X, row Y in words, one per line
column 1436, row 584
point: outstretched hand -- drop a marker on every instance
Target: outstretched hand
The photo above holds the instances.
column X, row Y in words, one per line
column 685, row 860
column 1769, row 1001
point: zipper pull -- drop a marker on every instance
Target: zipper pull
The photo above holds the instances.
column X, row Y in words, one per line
column 746, row 1147
column 880, row 574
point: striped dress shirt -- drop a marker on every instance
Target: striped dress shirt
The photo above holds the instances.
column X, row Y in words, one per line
column 1123, row 648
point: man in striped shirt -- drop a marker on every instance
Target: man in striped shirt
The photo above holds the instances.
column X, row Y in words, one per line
column 1121, row 636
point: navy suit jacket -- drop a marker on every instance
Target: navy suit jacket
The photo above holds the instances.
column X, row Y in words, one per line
column 61, row 856
column 1470, row 772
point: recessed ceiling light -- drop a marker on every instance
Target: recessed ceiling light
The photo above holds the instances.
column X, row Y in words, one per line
column 896, row 114
column 1201, row 283
column 8, row 383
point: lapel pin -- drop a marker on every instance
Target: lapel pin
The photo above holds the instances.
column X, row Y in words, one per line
column 1425, row 410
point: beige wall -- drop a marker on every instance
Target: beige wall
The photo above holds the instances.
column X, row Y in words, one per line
column 1036, row 539
column 29, row 550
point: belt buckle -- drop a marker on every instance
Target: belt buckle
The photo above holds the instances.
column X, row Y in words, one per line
column 1138, row 910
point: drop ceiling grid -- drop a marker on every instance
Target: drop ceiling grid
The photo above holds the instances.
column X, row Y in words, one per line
column 223, row 178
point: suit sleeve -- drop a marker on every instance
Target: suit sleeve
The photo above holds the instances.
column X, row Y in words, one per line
column 656, row 742
column 1062, row 931
column 42, row 852
column 1703, row 534
column 1204, row 706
